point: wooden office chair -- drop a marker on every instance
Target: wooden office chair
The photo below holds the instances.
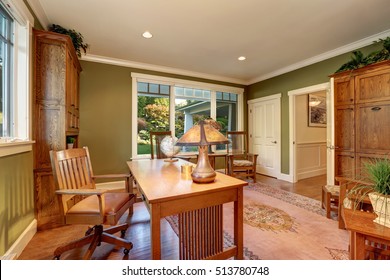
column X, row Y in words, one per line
column 81, row 203
column 155, row 141
column 241, row 163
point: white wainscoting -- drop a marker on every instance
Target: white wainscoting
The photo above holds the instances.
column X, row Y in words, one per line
column 311, row 159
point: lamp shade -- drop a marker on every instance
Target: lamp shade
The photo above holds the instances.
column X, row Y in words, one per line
column 202, row 134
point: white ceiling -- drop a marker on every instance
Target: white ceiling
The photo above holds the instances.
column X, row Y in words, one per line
column 204, row 38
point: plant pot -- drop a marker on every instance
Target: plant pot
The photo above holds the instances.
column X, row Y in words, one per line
column 381, row 205
column 70, row 145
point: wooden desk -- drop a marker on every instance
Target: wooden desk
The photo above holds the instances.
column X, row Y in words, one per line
column 199, row 207
column 368, row 240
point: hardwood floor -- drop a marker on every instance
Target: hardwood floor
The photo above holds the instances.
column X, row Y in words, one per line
column 43, row 244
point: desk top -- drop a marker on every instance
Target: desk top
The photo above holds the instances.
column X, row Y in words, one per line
column 163, row 181
column 362, row 222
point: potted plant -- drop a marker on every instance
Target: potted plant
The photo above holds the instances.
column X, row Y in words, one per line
column 379, row 174
column 77, row 38
column 70, row 142
column 377, row 190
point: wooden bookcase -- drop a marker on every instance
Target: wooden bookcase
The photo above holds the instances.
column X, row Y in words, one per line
column 55, row 114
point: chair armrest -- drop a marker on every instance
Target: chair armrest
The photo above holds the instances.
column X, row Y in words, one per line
column 113, row 176
column 81, row 192
column 124, row 176
column 252, row 157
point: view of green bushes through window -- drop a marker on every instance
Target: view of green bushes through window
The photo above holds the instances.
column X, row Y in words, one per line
column 191, row 106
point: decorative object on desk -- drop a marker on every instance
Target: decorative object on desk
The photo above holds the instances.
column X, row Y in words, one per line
column 186, row 168
column 77, row 38
column 203, row 134
column 70, row 142
column 169, row 149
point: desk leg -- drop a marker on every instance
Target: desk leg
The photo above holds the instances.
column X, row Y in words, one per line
column 155, row 231
column 239, row 224
column 359, row 245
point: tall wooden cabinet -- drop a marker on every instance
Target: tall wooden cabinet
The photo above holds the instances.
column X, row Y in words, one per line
column 362, row 118
column 56, row 114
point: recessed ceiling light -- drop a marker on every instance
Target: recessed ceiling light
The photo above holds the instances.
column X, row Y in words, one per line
column 147, row 35
column 242, row 58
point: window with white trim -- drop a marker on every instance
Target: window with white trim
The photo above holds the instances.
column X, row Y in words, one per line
column 16, row 24
column 168, row 104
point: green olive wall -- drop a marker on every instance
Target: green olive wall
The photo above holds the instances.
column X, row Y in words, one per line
column 307, row 76
column 16, row 197
column 105, row 113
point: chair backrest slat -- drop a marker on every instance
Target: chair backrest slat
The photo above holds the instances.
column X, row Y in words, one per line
column 72, row 169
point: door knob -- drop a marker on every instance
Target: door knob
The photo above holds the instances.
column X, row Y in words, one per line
column 274, row 142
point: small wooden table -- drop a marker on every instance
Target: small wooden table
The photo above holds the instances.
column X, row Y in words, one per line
column 167, row 191
column 364, row 233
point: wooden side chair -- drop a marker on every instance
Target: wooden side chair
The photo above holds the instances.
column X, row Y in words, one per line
column 330, row 199
column 241, row 162
column 155, row 141
column 81, row 203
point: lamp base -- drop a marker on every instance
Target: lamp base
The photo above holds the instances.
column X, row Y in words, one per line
column 203, row 172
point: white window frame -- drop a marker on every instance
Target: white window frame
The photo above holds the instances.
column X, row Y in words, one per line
column 173, row 82
column 21, row 95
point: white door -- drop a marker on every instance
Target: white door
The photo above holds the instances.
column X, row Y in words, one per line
column 264, row 134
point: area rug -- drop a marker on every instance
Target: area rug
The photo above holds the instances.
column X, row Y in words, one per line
column 280, row 225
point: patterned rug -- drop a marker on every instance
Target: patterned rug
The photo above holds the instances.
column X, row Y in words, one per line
column 279, row 220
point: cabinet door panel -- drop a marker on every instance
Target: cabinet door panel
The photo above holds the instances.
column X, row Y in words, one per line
column 46, row 202
column 373, row 86
column 49, row 134
column 345, row 128
column 373, row 128
column 361, row 160
column 345, row 164
column 344, row 91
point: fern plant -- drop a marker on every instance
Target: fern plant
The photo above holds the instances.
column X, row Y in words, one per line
column 77, row 38
column 378, row 173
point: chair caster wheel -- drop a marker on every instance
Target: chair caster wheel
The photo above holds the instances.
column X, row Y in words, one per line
column 123, row 232
column 126, row 251
column 56, row 257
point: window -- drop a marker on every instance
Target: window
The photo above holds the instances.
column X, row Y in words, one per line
column 163, row 104
column 15, row 28
column 6, row 50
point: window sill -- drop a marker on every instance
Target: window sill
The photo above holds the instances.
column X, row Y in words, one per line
column 12, row 148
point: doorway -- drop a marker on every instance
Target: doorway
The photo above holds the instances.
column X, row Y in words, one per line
column 309, row 131
column 264, row 133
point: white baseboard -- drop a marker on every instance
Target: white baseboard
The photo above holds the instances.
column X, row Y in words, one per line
column 21, row 243
column 285, row 177
column 311, row 173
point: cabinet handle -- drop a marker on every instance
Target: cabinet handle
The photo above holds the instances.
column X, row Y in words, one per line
column 351, row 99
column 375, row 108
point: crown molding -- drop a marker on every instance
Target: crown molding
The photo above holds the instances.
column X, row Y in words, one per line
column 341, row 50
column 39, row 12
column 164, row 69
